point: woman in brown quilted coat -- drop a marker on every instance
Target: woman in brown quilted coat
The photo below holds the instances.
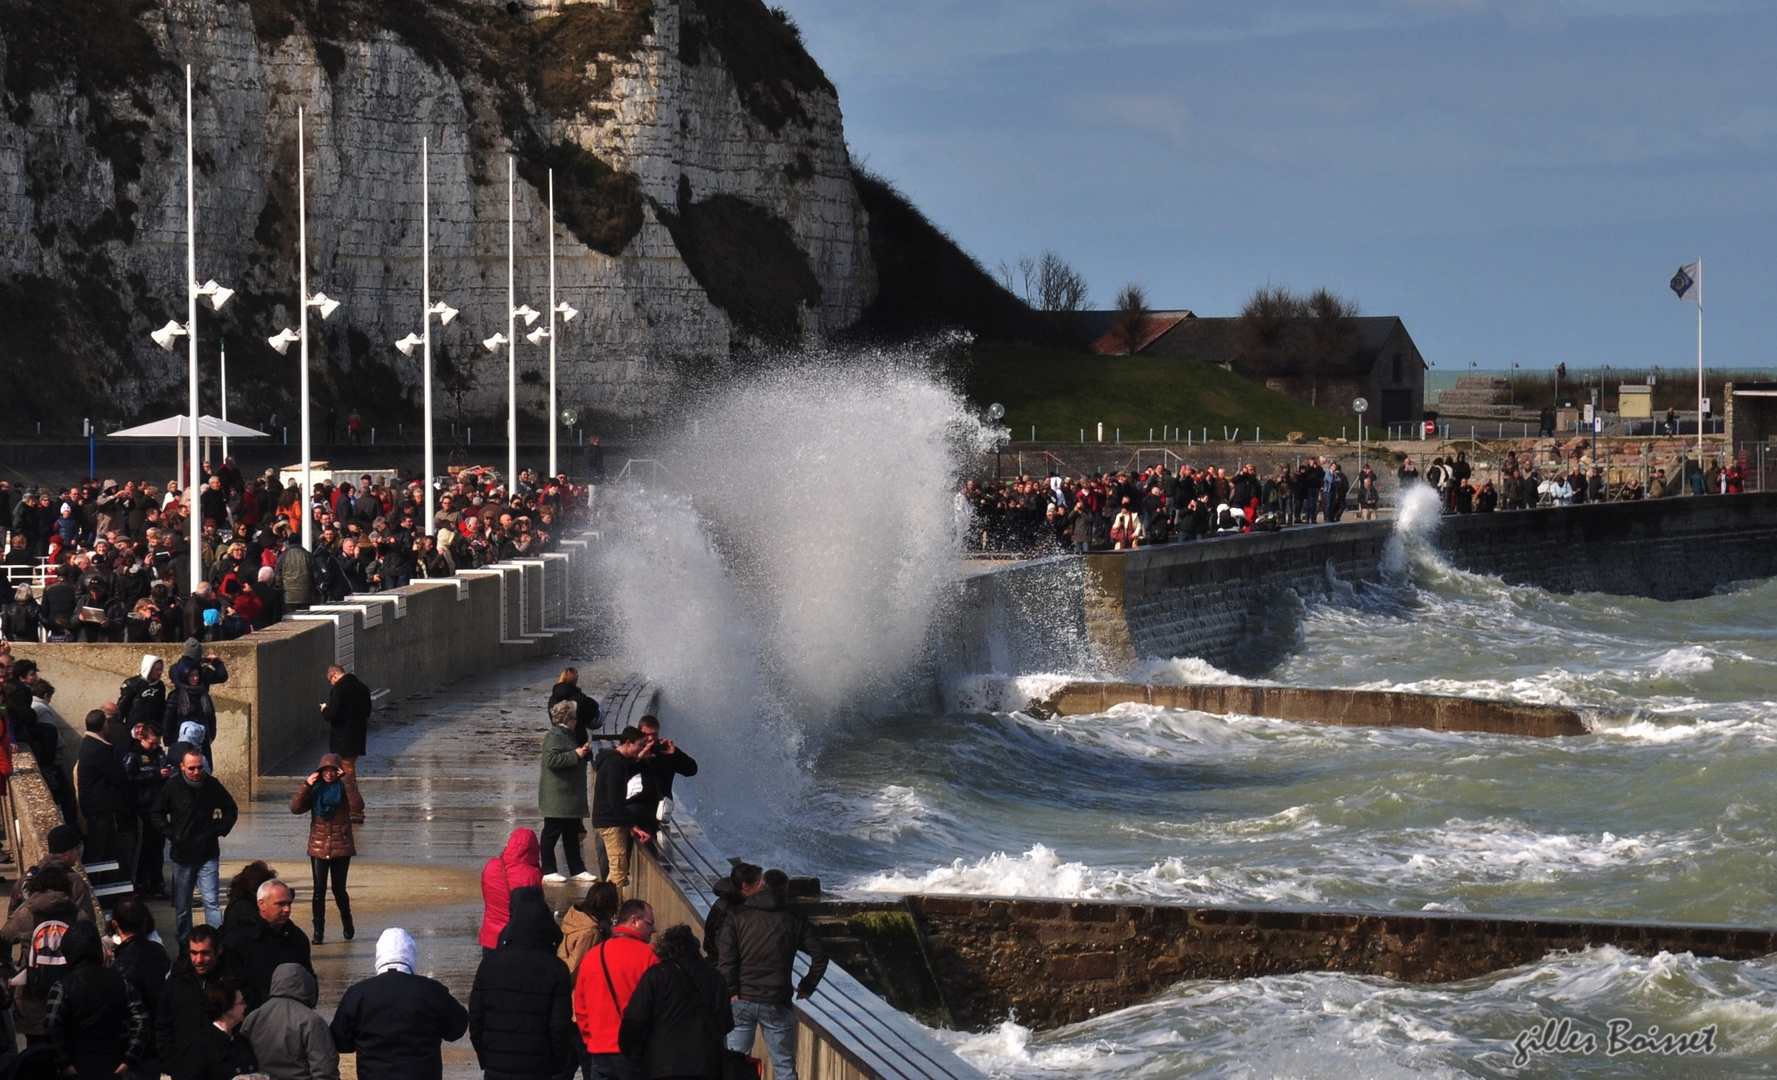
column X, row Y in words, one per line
column 331, row 804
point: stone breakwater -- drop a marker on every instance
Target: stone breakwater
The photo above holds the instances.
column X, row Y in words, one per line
column 1234, row 601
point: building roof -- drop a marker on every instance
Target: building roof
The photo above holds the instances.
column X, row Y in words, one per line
column 1109, row 340
column 1218, row 341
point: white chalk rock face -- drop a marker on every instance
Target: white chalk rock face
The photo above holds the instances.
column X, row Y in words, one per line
column 705, row 202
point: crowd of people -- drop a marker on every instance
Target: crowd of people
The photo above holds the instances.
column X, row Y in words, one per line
column 118, row 555
column 601, row 992
column 1157, row 505
column 1523, row 485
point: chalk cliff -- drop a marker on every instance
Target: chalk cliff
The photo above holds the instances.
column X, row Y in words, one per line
column 705, row 202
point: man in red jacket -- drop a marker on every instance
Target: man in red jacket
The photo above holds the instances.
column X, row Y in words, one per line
column 607, row 978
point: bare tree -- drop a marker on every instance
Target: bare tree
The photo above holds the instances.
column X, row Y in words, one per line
column 1020, row 278
column 1059, row 286
column 1264, row 320
column 1332, row 336
column 1132, row 315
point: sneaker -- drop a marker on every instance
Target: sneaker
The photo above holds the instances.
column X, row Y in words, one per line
column 555, row 879
column 586, row 875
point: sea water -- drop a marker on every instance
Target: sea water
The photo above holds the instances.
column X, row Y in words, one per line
column 1663, row 812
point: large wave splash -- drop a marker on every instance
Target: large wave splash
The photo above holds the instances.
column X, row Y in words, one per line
column 785, row 567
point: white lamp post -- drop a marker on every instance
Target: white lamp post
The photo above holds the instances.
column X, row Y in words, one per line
column 1360, row 407
column 514, row 311
column 282, row 340
column 428, row 309
column 164, row 338
column 567, row 316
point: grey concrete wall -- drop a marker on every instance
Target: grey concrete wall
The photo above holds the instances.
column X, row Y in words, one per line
column 270, row 707
column 1058, row 962
column 1233, row 600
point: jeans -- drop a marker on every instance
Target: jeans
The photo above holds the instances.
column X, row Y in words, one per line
column 616, row 1067
column 206, row 876
column 568, row 831
column 779, row 1025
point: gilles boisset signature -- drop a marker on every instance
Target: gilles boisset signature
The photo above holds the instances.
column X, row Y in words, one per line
column 1620, row 1037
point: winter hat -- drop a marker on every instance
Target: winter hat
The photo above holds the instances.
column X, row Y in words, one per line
column 148, row 662
column 191, row 733
column 194, row 650
column 62, row 838
column 395, row 950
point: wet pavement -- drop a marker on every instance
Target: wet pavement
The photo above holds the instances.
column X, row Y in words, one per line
column 448, row 776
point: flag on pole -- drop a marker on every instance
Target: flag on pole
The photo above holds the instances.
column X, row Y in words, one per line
column 1688, row 282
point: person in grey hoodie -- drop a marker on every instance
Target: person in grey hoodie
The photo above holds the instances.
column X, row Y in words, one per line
column 289, row 1037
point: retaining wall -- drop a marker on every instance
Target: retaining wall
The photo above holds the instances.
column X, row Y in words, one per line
column 403, row 642
column 1233, row 600
column 1054, row 962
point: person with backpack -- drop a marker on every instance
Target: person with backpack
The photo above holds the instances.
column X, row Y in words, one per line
column 680, row 1014
column 521, row 1019
column 22, row 620
column 41, row 924
column 95, row 1021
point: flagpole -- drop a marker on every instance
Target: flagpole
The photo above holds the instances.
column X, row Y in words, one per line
column 1699, row 363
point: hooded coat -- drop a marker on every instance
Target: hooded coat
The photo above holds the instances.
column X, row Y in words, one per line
column 519, row 865
column 139, row 699
column 521, row 1007
column 678, row 1017
column 289, row 1037
column 93, row 1018
column 561, row 782
column 395, row 1021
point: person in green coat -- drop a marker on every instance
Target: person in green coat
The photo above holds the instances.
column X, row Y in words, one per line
column 561, row 794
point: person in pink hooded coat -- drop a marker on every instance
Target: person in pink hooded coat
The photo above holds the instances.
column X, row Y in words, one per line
column 519, row 865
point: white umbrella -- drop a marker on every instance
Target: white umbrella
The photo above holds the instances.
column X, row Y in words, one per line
column 178, row 427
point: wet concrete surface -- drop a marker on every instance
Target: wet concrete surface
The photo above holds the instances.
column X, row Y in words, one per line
column 449, row 774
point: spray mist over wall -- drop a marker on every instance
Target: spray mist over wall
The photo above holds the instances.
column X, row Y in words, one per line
column 788, row 571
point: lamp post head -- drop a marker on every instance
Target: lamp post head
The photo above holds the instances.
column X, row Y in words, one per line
column 566, row 312
column 218, row 294
column 283, row 340
column 326, row 304
column 535, row 337
column 493, row 344
column 165, row 335
column 527, row 313
column 444, row 312
column 407, row 343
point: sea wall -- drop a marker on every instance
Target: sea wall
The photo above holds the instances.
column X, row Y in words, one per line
column 1057, row 962
column 1233, row 600
column 399, row 643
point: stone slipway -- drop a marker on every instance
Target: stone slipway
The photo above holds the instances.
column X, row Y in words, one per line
column 1345, row 708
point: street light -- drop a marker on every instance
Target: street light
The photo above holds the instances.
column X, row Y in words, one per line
column 218, row 295
column 493, row 344
column 567, row 314
column 283, row 339
column 1360, row 407
column 428, row 308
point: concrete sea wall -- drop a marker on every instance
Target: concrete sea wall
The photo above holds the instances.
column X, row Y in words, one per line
column 399, row 643
column 1233, row 600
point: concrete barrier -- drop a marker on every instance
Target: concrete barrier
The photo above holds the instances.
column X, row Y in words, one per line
column 1060, row 962
column 843, row 1032
column 1344, row 708
column 399, row 643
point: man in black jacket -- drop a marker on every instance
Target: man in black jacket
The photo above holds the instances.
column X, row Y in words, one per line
column 95, row 1023
column 194, row 811
column 103, row 790
column 612, row 816
column 263, row 941
column 756, row 953
column 521, row 1019
column 181, row 1028
column 396, row 1021
column 348, row 713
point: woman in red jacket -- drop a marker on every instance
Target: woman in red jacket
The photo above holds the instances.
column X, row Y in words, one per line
column 519, row 865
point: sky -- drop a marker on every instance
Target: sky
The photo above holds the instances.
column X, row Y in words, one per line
column 1517, row 179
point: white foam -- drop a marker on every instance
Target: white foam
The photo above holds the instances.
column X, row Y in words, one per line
column 1688, row 660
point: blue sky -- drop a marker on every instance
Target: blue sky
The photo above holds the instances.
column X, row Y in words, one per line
column 1518, row 180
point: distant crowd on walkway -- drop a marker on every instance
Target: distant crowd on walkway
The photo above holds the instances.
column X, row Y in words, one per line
column 1522, row 485
column 114, row 559
column 1123, row 510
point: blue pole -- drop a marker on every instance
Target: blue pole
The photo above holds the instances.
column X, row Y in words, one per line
column 92, row 454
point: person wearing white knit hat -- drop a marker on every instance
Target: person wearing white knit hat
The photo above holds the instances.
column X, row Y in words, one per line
column 397, row 1020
